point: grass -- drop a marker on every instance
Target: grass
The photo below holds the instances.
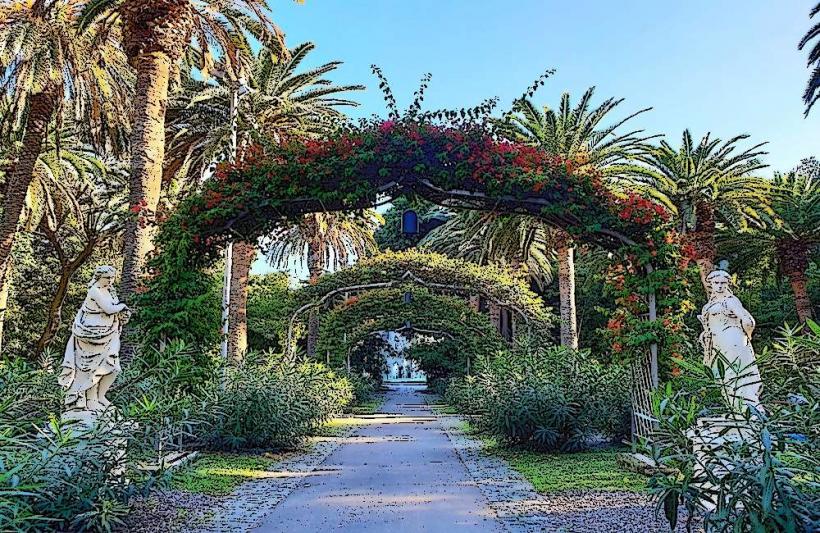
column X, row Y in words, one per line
column 368, row 408
column 218, row 474
column 559, row 472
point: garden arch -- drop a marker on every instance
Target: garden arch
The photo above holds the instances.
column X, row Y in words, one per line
column 433, row 272
column 458, row 165
column 352, row 321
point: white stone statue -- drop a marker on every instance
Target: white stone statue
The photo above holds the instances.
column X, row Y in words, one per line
column 92, row 360
column 727, row 330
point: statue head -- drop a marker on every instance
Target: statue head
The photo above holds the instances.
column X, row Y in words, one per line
column 103, row 276
column 718, row 281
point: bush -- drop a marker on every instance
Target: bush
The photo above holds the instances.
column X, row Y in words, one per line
column 55, row 475
column 771, row 479
column 276, row 404
column 364, row 387
column 53, row 478
column 548, row 398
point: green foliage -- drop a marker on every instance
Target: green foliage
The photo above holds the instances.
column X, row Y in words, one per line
column 276, row 403
column 271, row 303
column 499, row 283
column 546, row 398
column 772, row 481
column 353, row 321
column 58, row 476
column 218, row 474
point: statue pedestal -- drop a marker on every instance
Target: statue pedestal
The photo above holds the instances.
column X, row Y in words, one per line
column 713, row 442
column 108, row 435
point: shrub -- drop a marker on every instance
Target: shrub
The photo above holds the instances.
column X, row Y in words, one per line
column 546, row 398
column 772, row 476
column 276, row 404
column 55, row 475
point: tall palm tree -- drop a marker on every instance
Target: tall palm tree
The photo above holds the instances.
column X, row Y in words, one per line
column 703, row 185
column 578, row 133
column 322, row 242
column 47, row 69
column 795, row 201
column 812, row 92
column 156, row 36
column 280, row 99
column 209, row 121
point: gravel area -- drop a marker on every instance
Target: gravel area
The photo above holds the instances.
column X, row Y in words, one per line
column 521, row 509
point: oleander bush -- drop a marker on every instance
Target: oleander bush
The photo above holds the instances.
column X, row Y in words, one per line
column 276, row 403
column 773, row 479
column 545, row 398
column 52, row 477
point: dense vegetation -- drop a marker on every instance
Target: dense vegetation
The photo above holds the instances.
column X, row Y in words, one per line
column 149, row 134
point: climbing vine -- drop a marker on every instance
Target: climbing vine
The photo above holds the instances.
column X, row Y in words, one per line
column 462, row 165
column 449, row 319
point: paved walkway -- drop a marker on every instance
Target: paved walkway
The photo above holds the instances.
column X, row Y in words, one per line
column 397, row 472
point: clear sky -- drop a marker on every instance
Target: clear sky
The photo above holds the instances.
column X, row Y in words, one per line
column 720, row 66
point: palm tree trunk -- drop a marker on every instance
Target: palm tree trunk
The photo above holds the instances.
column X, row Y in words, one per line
column 41, row 109
column 315, row 270
column 243, row 255
column 703, row 239
column 147, row 153
column 566, row 291
column 795, row 260
column 5, row 286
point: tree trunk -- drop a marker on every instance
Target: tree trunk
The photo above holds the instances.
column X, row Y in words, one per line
column 5, row 286
column 566, row 291
column 794, row 258
column 703, row 240
column 243, row 255
column 315, row 269
column 147, row 153
column 41, row 109
column 55, row 308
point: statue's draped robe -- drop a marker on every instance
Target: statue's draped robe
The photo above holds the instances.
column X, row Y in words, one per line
column 92, row 351
column 724, row 320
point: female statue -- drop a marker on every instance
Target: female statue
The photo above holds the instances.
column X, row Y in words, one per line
column 727, row 331
column 92, row 360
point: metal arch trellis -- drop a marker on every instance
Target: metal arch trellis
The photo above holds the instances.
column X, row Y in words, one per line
column 407, row 276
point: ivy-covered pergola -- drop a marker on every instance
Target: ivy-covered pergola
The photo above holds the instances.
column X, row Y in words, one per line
column 456, row 165
column 438, row 316
column 436, row 273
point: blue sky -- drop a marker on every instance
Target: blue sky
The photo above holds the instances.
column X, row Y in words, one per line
column 724, row 66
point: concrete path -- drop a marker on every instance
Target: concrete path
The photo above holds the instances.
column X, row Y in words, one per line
column 398, row 472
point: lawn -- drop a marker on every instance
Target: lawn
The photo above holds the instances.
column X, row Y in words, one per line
column 217, row 474
column 557, row 472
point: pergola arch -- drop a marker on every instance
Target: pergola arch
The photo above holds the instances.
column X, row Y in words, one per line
column 350, row 322
column 433, row 272
column 457, row 165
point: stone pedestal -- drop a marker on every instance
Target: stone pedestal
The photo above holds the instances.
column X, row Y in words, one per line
column 713, row 440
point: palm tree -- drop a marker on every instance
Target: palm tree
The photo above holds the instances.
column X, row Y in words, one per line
column 484, row 238
column 322, row 242
column 156, row 36
column 48, row 68
column 705, row 185
column 812, row 92
column 795, row 201
column 575, row 133
column 210, row 121
column 279, row 100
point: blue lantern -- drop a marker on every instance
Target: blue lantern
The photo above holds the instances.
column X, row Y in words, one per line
column 409, row 222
